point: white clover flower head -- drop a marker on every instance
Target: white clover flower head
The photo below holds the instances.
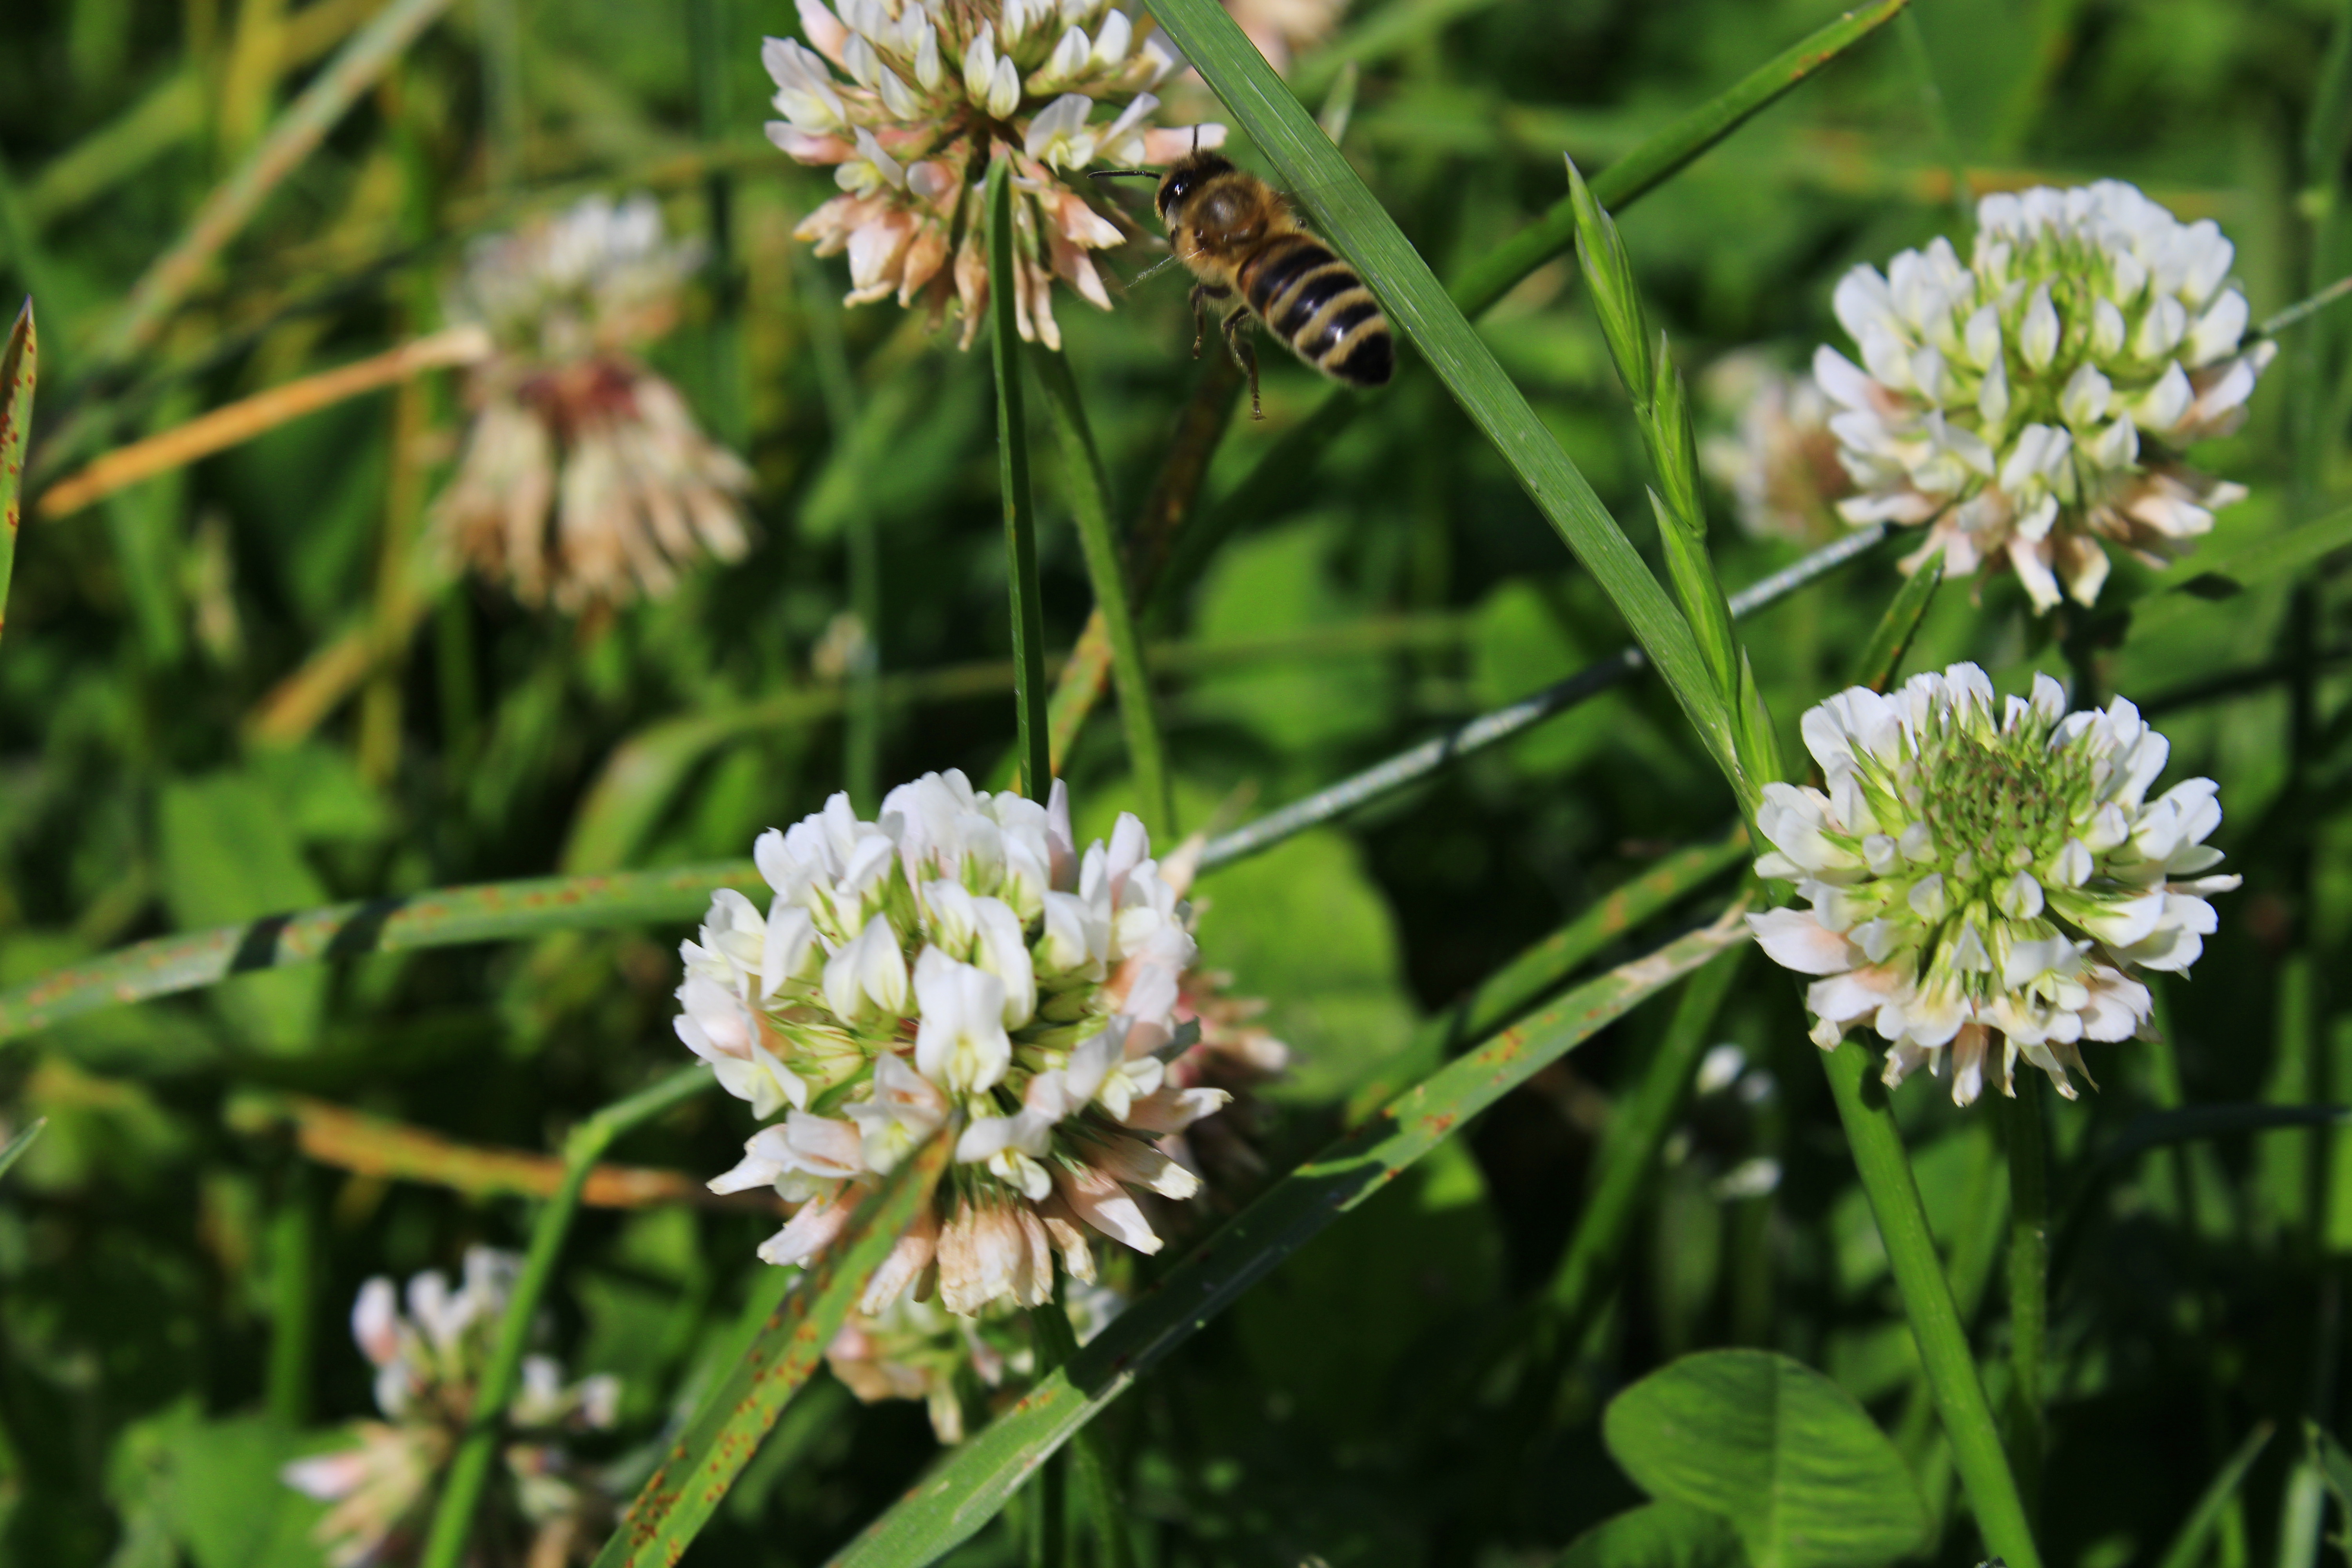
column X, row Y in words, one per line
column 2034, row 402
column 957, row 961
column 933, row 92
column 429, row 1361
column 584, row 478
column 1978, row 873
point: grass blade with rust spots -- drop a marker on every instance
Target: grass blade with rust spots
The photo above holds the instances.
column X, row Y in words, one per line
column 20, row 364
column 489, row 911
column 469, row 1469
column 967, row 1488
column 679, row 1498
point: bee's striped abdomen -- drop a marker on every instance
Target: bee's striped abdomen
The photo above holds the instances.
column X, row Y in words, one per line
column 1314, row 303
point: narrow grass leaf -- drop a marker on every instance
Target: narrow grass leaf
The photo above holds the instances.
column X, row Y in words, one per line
column 19, row 1143
column 2228, row 575
column 20, row 364
column 469, row 1469
column 679, row 1497
column 1088, row 491
column 447, row 917
column 231, row 204
column 1882, row 655
column 967, row 1489
column 1292, row 458
column 2187, row 1547
column 1346, row 213
column 1537, row 971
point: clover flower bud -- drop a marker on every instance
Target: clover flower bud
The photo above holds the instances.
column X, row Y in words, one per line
column 2034, row 402
column 2034, row 876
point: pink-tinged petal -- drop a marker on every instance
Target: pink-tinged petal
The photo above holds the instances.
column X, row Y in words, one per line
column 326, row 1477
column 817, row 1225
column 375, row 1322
column 1794, row 940
column 1168, row 143
column 1103, row 1204
column 807, row 147
column 912, row 1254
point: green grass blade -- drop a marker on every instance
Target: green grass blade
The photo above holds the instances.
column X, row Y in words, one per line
column 967, row 1488
column 469, row 1469
column 1661, row 157
column 1493, row 728
column 1020, row 502
column 449, row 917
column 1347, row 215
column 1089, row 495
column 1291, row 460
column 1883, row 655
column 19, row 1143
column 623, row 801
column 2228, row 575
column 2187, row 1547
column 232, row 203
column 1629, row 1152
column 20, row 364
column 679, row 1497
column 1537, row 971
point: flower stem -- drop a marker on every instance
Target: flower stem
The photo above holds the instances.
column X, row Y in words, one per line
column 1887, row 1180
column 2028, row 1283
column 1020, row 508
column 452, row 1518
column 1089, row 496
column 1097, row 1483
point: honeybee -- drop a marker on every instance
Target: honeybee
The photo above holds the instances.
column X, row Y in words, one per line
column 1241, row 239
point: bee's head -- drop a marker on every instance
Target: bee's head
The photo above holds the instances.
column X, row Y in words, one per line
column 1186, row 175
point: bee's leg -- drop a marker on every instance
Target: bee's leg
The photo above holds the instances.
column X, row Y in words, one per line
column 1200, row 316
column 1236, row 328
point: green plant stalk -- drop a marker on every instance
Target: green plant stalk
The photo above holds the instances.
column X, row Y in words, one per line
column 862, row 735
column 1629, row 1157
column 2028, row 1283
column 1944, row 1354
column 461, row 1488
column 1098, row 1480
column 500, row 30
column 19, row 369
column 1089, row 496
column 678, row 1499
column 231, row 204
column 970, row 1485
column 1346, row 215
column 1020, row 505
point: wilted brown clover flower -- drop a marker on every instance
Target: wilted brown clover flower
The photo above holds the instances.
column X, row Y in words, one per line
column 1285, row 29
column 1778, row 455
column 937, row 88
column 584, row 478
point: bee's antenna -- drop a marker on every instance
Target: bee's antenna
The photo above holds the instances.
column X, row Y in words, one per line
column 1196, row 136
column 1124, row 175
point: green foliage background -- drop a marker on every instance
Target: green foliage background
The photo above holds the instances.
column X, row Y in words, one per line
column 175, row 1274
